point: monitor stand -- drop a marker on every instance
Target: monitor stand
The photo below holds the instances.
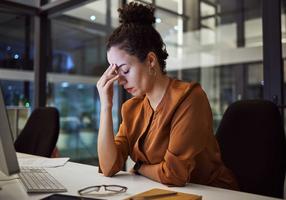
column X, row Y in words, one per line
column 4, row 179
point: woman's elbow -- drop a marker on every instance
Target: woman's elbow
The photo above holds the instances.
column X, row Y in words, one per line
column 180, row 184
column 108, row 173
column 176, row 183
column 173, row 180
column 107, row 170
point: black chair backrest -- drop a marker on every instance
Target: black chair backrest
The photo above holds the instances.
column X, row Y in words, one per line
column 252, row 141
column 40, row 134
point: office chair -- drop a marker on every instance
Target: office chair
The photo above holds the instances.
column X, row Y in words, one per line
column 252, row 141
column 40, row 134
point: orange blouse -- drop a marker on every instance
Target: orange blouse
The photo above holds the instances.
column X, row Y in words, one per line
column 178, row 136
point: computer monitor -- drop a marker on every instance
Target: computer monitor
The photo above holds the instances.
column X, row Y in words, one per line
column 8, row 159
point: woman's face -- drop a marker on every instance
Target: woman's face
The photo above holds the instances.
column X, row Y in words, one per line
column 134, row 75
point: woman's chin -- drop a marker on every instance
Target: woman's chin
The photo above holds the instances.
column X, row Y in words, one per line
column 137, row 94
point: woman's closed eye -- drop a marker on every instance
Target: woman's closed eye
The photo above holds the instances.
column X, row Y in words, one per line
column 125, row 71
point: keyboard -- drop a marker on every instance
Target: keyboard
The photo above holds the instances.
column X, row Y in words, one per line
column 38, row 180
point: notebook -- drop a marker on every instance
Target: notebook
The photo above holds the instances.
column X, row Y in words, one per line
column 160, row 194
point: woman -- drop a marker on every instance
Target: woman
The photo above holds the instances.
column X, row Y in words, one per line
column 167, row 126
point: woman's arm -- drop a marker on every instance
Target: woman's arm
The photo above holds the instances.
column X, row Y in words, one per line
column 106, row 146
column 150, row 171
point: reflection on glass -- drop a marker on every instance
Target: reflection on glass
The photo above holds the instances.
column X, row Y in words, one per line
column 17, row 93
column 79, row 108
column 207, row 9
column 15, row 47
column 92, row 12
column 78, row 51
column 114, row 14
column 253, row 32
column 208, row 36
column 167, row 24
column 18, row 98
column 209, row 51
column 209, row 23
column 170, row 5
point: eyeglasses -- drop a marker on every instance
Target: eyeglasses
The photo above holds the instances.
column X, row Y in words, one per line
column 114, row 189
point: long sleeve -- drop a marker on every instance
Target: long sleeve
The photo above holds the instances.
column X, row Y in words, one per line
column 190, row 127
column 122, row 148
column 127, row 134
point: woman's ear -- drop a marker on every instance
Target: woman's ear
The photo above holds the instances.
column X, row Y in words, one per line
column 151, row 59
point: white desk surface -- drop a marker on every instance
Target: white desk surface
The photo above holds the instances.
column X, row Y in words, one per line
column 76, row 176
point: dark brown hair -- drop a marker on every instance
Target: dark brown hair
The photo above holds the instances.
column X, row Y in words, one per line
column 136, row 35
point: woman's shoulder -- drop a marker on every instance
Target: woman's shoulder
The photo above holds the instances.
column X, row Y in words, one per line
column 183, row 88
column 133, row 103
column 187, row 94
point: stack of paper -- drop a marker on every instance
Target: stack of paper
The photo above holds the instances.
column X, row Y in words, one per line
column 42, row 162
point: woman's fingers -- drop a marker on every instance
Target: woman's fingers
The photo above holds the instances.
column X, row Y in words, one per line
column 105, row 85
column 104, row 79
column 110, row 81
column 110, row 70
column 113, row 70
column 107, row 75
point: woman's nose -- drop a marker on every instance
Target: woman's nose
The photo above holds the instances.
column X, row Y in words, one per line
column 121, row 80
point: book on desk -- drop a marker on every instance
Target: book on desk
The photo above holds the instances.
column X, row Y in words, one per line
column 164, row 195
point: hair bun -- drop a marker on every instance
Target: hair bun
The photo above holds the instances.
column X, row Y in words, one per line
column 136, row 13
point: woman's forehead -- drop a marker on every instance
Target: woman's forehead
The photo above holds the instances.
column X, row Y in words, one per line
column 119, row 57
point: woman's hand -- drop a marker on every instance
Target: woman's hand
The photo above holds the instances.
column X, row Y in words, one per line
column 105, row 85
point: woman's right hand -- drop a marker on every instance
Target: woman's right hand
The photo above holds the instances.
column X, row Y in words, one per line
column 105, row 85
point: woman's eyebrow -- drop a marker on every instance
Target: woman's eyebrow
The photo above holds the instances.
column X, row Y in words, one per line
column 121, row 65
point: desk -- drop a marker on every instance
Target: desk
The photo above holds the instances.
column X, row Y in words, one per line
column 75, row 176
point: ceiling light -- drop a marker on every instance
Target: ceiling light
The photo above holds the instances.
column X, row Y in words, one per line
column 92, row 17
column 158, row 20
column 16, row 56
column 65, row 84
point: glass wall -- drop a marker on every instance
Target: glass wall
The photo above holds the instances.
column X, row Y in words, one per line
column 220, row 47
column 16, row 58
column 14, row 92
column 79, row 50
column 78, row 38
column 16, row 78
column 216, row 43
column 79, row 58
column 79, row 107
column 15, row 41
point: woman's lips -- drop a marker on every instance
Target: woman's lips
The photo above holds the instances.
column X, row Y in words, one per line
column 129, row 90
